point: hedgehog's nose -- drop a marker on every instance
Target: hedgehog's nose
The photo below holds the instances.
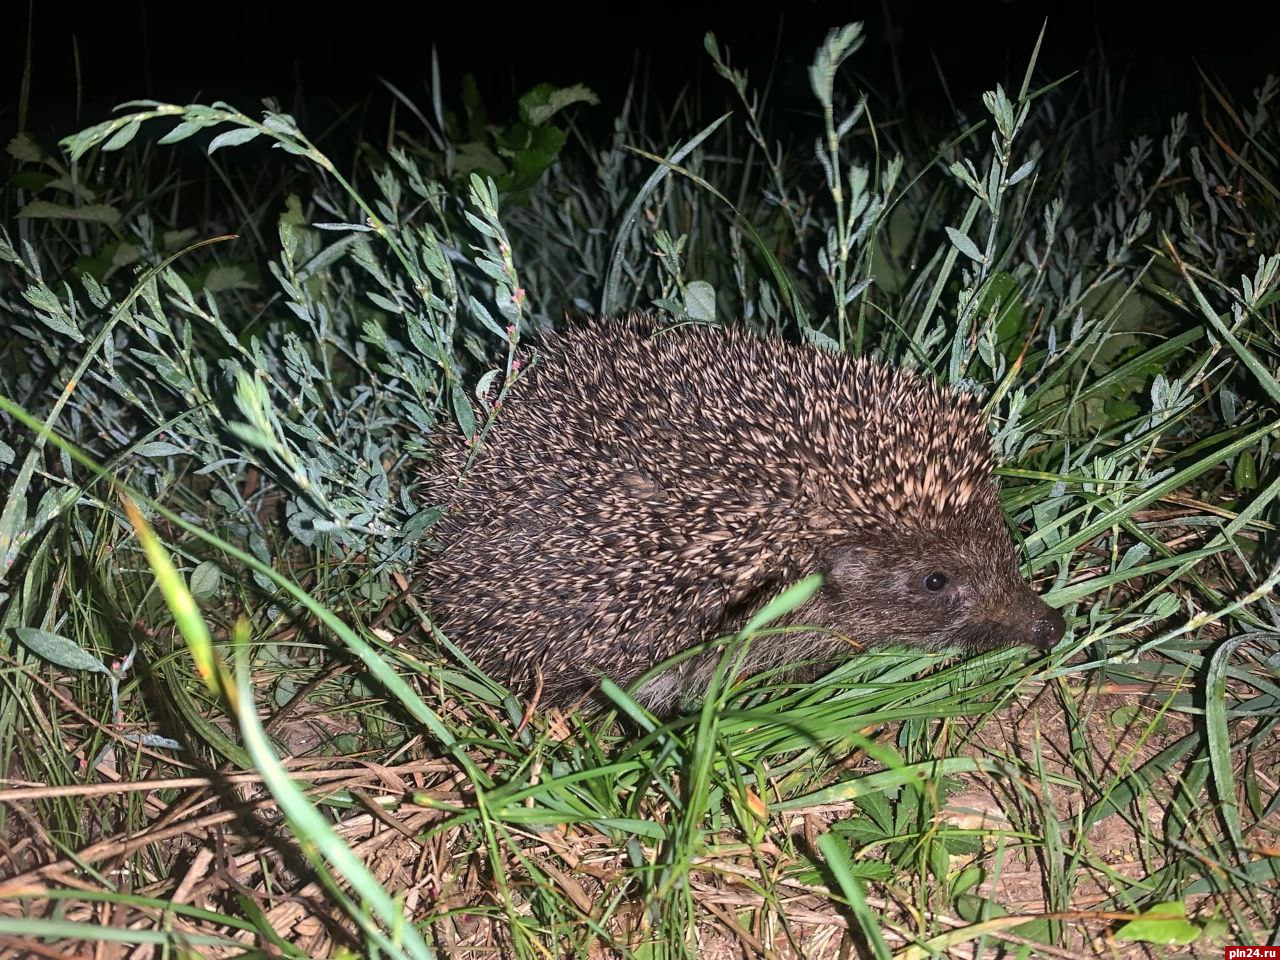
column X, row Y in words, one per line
column 1047, row 630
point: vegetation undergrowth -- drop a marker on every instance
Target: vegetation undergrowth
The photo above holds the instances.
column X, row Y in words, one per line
column 228, row 727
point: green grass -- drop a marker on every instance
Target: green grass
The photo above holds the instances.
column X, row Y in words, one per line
column 228, row 727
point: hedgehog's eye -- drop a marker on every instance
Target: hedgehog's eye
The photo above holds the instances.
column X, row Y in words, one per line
column 935, row 582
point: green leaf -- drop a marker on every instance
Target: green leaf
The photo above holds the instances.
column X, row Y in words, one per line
column 122, row 136
column 24, row 149
column 205, row 579
column 31, row 180
column 472, row 157
column 1163, row 923
column 89, row 213
column 885, row 780
column 544, row 101
column 528, row 165
column 1002, row 288
column 1215, row 715
column 59, row 650
column 1021, row 173
column 233, row 138
column 836, row 852
column 966, row 246
column 1245, row 476
column 700, row 301
column 158, row 448
column 183, row 130
column 840, row 43
column 462, row 411
column 966, row 879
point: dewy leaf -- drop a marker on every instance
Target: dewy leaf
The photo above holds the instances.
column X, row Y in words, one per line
column 964, row 245
column 59, row 650
column 700, row 301
column 233, row 138
column 1021, row 173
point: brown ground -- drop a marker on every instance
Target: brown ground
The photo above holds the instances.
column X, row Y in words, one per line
column 213, row 852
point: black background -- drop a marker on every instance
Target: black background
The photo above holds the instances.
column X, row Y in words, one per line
column 86, row 58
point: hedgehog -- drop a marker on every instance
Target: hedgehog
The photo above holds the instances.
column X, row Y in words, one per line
column 645, row 490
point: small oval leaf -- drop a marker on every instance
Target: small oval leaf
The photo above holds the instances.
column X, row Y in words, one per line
column 1164, row 923
column 233, row 138
column 964, row 245
column 204, row 579
column 700, row 301
column 462, row 412
column 122, row 136
column 183, row 130
column 59, row 650
column 1021, row 173
column 158, row 448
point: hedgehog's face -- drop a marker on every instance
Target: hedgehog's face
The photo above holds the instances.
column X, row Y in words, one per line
column 930, row 590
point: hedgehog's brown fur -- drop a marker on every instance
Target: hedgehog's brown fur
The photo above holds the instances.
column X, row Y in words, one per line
column 644, row 490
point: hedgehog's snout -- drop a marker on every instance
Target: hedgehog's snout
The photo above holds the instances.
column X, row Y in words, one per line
column 1047, row 628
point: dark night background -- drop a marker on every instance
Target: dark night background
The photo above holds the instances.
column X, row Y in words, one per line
column 88, row 57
